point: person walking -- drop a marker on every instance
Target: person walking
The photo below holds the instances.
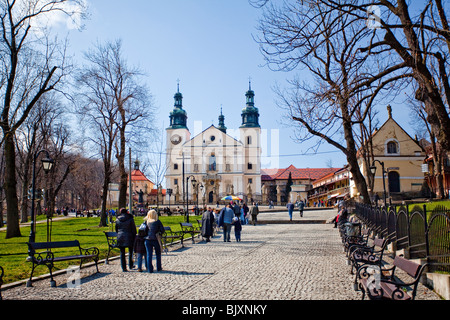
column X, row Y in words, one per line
column 207, row 224
column 246, row 210
column 237, row 228
column 139, row 247
column 226, row 217
column 290, row 207
column 155, row 229
column 301, row 206
column 126, row 233
column 236, row 208
column 254, row 211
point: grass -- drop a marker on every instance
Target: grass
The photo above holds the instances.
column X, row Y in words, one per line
column 14, row 251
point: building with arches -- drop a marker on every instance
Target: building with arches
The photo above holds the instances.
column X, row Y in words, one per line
column 220, row 164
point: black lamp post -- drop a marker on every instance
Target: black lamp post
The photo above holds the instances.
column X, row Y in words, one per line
column 169, row 192
column 194, row 182
column 47, row 164
column 373, row 169
column 202, row 189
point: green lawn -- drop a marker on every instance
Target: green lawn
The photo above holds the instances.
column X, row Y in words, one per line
column 13, row 252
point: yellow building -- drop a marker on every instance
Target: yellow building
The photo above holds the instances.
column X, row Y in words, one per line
column 401, row 156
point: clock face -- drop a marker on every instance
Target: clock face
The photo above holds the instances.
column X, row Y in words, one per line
column 175, row 139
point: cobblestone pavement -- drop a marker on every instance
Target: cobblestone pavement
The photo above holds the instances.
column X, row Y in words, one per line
column 272, row 262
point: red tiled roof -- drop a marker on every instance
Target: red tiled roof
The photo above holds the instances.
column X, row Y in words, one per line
column 137, row 175
column 296, row 173
column 154, row 192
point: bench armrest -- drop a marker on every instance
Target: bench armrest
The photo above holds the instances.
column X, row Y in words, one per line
column 362, row 271
column 39, row 257
column 90, row 251
column 360, row 249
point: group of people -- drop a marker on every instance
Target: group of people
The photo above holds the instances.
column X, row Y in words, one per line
column 232, row 215
column 147, row 238
column 290, row 206
column 142, row 242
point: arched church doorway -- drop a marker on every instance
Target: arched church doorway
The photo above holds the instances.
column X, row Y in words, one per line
column 210, row 197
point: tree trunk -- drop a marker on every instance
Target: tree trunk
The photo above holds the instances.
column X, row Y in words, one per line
column 106, row 181
column 12, row 210
column 352, row 160
column 123, row 184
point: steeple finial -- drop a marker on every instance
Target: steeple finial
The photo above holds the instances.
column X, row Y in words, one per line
column 389, row 109
column 249, row 83
column 222, row 126
column 178, row 85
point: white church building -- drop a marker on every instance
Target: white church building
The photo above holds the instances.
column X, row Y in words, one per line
column 217, row 163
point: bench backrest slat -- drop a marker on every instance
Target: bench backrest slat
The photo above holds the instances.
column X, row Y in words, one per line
column 54, row 245
column 110, row 234
column 185, row 224
column 408, row 266
column 379, row 242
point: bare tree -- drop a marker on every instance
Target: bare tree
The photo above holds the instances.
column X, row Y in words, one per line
column 419, row 120
column 98, row 116
column 31, row 65
column 29, row 139
column 122, row 107
column 418, row 36
column 339, row 99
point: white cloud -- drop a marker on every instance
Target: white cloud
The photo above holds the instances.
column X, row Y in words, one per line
column 59, row 13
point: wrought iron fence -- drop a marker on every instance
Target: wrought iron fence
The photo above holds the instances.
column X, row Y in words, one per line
column 424, row 234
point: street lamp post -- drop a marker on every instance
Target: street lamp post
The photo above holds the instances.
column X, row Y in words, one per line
column 169, row 192
column 47, row 164
column 187, row 194
column 202, row 189
column 373, row 169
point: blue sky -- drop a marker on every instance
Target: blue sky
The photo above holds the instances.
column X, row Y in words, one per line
column 208, row 46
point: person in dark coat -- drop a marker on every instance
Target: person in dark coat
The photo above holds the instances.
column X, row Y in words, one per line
column 237, row 228
column 254, row 211
column 155, row 229
column 126, row 232
column 207, row 224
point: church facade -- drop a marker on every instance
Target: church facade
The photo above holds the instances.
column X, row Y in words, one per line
column 213, row 164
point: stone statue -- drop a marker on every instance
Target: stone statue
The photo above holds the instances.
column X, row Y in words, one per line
column 141, row 196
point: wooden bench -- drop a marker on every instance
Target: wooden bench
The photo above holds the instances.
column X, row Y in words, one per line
column 352, row 240
column 2, row 272
column 188, row 228
column 48, row 257
column 391, row 287
column 359, row 255
column 172, row 236
column 111, row 238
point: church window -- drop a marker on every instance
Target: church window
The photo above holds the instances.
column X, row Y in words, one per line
column 249, row 140
column 212, row 163
column 392, row 147
column 249, row 166
column 175, row 181
column 175, row 166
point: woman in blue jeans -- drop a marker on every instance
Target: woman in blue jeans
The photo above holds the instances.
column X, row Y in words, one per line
column 155, row 227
